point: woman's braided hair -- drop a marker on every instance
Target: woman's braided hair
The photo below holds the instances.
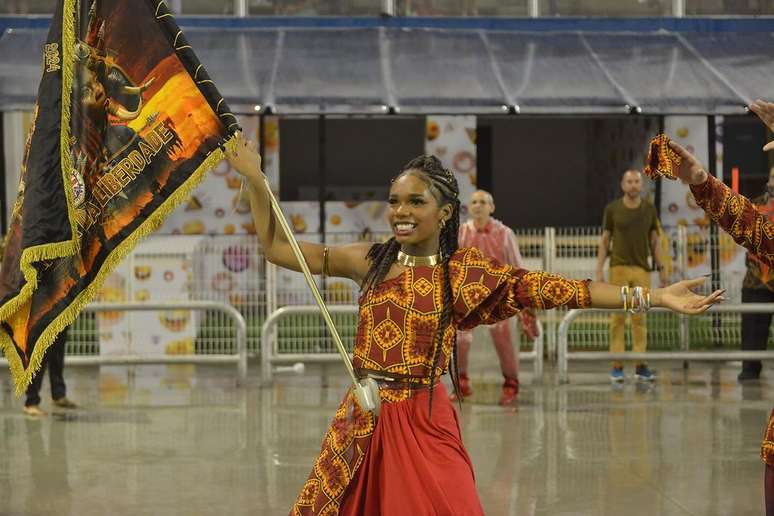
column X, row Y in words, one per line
column 443, row 185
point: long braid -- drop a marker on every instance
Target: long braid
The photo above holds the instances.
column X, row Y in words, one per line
column 445, row 189
column 455, row 372
column 448, row 246
column 452, row 247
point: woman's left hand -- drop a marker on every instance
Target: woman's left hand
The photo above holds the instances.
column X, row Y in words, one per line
column 680, row 298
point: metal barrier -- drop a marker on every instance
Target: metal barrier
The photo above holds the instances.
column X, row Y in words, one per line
column 564, row 356
column 270, row 352
column 269, row 349
column 688, row 251
column 240, row 358
column 230, row 269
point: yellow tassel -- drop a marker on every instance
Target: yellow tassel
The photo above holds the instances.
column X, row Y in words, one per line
column 68, row 64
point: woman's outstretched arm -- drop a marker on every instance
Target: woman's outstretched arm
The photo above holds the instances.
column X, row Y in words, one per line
column 486, row 291
column 678, row 297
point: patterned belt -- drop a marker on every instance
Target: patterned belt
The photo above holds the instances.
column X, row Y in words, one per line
column 385, row 381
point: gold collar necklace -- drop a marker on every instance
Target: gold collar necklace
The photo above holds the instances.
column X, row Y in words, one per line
column 408, row 260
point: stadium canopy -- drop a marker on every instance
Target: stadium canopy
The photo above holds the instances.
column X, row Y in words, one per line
column 372, row 70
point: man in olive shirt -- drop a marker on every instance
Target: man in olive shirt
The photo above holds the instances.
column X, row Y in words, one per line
column 632, row 224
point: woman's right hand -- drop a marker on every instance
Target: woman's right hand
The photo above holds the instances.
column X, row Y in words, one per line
column 245, row 159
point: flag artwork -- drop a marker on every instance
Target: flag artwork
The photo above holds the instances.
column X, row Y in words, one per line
column 126, row 124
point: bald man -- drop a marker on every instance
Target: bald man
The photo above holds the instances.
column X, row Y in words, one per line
column 631, row 223
column 497, row 240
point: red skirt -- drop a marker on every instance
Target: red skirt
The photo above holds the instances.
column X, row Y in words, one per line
column 414, row 465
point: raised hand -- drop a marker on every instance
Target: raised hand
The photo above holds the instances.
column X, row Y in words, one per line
column 690, row 169
column 765, row 111
column 245, row 158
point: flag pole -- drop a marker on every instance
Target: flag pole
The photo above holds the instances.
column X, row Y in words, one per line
column 366, row 390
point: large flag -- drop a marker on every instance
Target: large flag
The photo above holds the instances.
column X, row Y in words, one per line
column 126, row 124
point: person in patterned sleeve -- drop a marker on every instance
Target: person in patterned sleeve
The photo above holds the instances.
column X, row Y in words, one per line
column 495, row 239
column 418, row 289
column 740, row 218
column 757, row 287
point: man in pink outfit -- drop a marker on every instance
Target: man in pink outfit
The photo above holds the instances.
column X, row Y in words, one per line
column 497, row 240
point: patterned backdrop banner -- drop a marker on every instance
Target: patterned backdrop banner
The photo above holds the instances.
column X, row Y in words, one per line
column 121, row 134
column 679, row 208
column 220, row 205
column 453, row 140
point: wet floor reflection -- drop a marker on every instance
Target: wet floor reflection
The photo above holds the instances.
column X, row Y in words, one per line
column 186, row 440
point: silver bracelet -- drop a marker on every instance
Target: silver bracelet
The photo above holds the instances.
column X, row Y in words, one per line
column 636, row 300
column 625, row 297
column 640, row 300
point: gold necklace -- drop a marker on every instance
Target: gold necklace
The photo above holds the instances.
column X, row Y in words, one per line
column 408, row 260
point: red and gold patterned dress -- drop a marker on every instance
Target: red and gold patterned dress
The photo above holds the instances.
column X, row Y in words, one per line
column 750, row 229
column 408, row 462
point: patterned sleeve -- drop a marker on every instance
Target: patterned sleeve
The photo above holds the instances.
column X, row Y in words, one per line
column 486, row 291
column 738, row 217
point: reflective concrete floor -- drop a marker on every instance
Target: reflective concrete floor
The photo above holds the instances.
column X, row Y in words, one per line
column 185, row 440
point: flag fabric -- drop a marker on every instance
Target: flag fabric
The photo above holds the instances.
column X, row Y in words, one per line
column 126, row 124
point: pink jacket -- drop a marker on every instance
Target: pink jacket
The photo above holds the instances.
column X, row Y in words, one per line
column 496, row 240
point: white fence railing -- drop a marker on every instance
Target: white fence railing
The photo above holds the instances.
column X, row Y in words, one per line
column 565, row 356
column 240, row 337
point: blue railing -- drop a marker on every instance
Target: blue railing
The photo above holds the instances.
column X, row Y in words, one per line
column 710, row 25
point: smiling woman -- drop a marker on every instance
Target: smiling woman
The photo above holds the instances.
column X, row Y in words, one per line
column 417, row 289
column 422, row 201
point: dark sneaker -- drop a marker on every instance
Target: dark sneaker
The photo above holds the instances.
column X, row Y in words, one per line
column 643, row 374
column 617, row 375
